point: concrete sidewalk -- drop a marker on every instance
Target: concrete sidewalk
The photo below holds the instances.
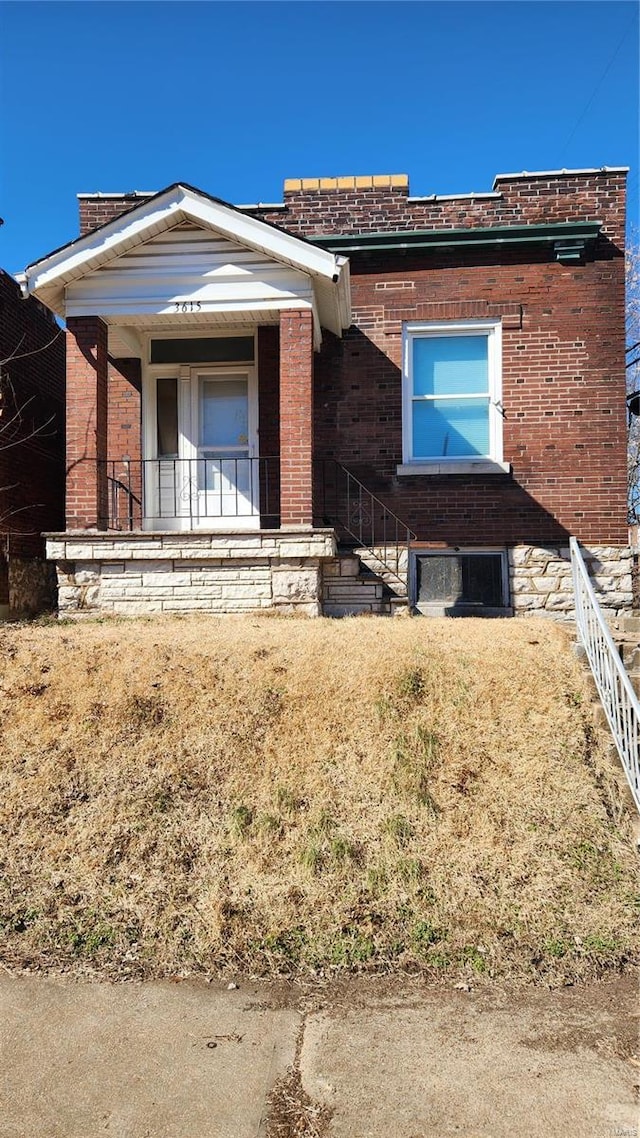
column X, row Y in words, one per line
column 386, row 1060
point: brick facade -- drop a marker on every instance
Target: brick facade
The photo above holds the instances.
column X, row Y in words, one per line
column 32, row 372
column 563, row 395
column 563, row 377
column 87, row 394
column 352, row 207
column 517, row 200
column 563, row 362
column 97, row 209
column 296, row 417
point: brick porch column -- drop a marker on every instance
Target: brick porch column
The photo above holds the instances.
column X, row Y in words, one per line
column 296, row 417
column 86, row 423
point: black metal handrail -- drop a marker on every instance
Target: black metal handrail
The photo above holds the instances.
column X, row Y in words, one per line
column 349, row 505
column 194, row 490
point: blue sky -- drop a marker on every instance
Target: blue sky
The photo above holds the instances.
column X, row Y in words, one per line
column 234, row 97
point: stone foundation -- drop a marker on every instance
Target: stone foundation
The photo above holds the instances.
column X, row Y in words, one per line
column 30, row 587
column 293, row 571
column 540, row 579
column 140, row 574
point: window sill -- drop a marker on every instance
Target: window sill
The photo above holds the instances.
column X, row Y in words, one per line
column 464, row 466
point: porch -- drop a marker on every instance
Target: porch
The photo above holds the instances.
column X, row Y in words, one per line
column 204, row 554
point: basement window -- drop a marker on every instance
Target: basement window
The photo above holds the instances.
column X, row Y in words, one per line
column 461, row 582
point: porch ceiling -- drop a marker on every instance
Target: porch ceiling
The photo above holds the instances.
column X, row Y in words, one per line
column 184, row 257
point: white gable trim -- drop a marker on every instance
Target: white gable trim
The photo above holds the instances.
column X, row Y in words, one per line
column 163, row 212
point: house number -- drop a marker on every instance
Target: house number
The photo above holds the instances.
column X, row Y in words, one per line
column 188, row 306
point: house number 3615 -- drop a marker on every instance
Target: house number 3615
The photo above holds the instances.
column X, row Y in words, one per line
column 188, row 306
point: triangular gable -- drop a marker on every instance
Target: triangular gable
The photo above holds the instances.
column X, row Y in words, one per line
column 181, row 205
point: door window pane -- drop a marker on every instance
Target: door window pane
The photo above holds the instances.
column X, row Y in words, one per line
column 224, row 413
column 167, row 410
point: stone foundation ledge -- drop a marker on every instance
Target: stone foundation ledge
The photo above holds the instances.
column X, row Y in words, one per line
column 135, row 575
column 541, row 581
column 96, row 545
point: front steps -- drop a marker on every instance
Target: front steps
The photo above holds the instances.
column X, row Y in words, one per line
column 350, row 587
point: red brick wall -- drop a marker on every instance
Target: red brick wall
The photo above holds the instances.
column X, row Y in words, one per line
column 125, row 418
column 124, row 442
column 563, row 359
column 32, row 379
column 99, row 210
column 563, row 395
column 296, row 416
column 517, row 201
column 86, row 422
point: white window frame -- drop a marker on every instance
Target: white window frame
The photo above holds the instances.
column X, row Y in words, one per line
column 456, row 464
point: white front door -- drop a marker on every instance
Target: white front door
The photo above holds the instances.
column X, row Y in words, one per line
column 226, row 483
column 206, row 471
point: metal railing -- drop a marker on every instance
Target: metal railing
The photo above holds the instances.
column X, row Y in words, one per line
column 619, row 700
column 347, row 504
column 191, row 492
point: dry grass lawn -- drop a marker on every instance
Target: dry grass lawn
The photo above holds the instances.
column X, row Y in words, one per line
column 281, row 796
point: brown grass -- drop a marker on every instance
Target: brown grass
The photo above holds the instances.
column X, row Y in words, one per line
column 286, row 796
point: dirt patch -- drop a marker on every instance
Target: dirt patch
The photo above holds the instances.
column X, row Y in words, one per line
column 291, row 1112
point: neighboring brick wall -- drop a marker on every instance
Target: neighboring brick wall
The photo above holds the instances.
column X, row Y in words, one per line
column 86, row 422
column 296, row 417
column 32, row 379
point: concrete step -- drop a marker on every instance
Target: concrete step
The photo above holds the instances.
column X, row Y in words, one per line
column 355, row 608
column 345, row 565
column 352, row 588
column 359, row 590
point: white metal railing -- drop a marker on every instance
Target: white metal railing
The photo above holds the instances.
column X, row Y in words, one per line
column 620, row 702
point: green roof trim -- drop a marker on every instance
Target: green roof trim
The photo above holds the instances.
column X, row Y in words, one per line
column 569, row 236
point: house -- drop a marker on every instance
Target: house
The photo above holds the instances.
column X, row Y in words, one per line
column 331, row 403
column 32, row 378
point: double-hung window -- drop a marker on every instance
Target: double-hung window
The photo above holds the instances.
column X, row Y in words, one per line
column 452, row 410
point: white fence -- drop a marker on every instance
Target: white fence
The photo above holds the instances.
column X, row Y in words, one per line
column 620, row 702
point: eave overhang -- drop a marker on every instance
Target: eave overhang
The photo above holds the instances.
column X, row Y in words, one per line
column 568, row 239
column 48, row 278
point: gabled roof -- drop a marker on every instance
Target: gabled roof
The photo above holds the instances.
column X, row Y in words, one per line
column 48, row 278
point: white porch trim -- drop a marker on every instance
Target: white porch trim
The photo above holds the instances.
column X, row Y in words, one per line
column 54, row 278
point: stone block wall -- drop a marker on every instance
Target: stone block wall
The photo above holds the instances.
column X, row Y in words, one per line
column 540, row 580
column 141, row 574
